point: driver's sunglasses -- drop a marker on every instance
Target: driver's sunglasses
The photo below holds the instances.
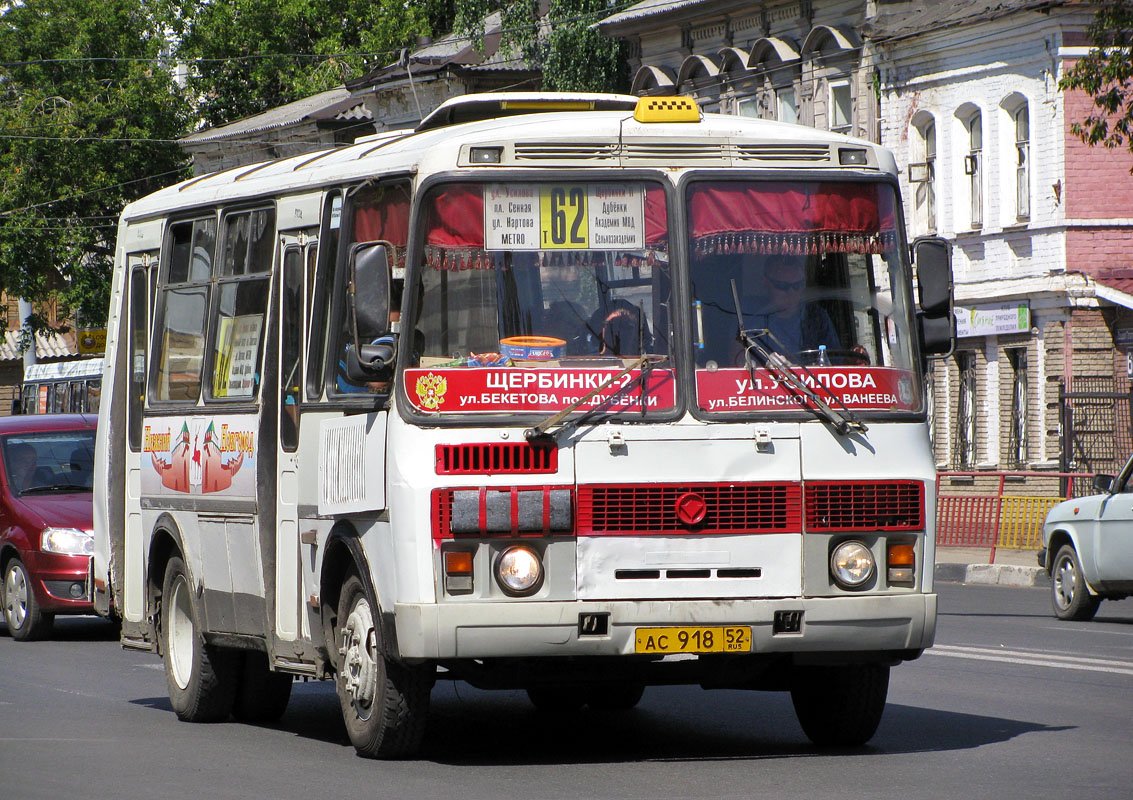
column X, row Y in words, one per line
column 787, row 286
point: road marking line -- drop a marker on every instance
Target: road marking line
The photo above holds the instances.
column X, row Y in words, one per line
column 1034, row 654
column 1096, row 665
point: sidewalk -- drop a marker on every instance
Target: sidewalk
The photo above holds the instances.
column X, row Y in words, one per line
column 972, row 565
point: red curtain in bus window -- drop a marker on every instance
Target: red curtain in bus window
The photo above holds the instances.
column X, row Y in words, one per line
column 800, row 218
column 385, row 217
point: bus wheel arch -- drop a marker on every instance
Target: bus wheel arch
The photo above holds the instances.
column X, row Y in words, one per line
column 343, row 556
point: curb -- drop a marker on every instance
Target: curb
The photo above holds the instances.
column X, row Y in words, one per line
column 993, row 574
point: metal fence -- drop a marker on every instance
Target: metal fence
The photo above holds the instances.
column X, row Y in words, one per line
column 978, row 517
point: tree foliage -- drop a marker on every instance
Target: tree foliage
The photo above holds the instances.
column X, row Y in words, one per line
column 248, row 56
column 556, row 37
column 88, row 115
column 1106, row 75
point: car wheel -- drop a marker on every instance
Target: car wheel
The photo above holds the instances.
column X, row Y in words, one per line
column 262, row 695
column 21, row 610
column 840, row 706
column 201, row 678
column 1069, row 596
column 385, row 704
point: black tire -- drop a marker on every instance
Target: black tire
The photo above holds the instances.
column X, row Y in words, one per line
column 1069, row 596
column 840, row 706
column 261, row 694
column 614, row 696
column 201, row 678
column 26, row 622
column 385, row 704
column 562, row 699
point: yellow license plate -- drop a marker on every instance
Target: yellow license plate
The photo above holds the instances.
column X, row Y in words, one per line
column 723, row 639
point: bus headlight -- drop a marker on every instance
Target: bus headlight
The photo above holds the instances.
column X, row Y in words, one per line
column 519, row 571
column 851, row 564
column 66, row 541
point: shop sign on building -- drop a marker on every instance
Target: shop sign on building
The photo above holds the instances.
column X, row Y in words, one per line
column 993, row 320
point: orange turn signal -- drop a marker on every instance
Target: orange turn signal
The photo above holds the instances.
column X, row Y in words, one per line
column 901, row 555
column 458, row 562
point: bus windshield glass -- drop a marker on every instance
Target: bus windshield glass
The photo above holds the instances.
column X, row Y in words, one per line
column 821, row 278
column 532, row 296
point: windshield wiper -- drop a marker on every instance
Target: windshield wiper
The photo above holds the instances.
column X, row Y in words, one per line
column 543, row 429
column 843, row 421
column 56, row 487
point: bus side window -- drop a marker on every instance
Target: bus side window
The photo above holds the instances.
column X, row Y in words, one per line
column 241, row 300
column 291, row 333
column 320, row 268
column 138, row 344
column 183, row 295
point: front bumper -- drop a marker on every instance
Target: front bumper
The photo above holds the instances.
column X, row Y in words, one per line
column 538, row 629
column 52, row 577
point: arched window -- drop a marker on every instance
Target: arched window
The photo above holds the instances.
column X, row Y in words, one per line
column 973, row 159
column 1019, row 126
column 776, row 65
column 922, row 172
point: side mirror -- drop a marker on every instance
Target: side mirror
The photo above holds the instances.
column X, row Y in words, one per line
column 371, row 362
column 1103, row 484
column 369, row 290
column 935, row 320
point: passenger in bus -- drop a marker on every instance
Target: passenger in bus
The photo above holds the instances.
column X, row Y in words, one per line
column 795, row 325
column 620, row 330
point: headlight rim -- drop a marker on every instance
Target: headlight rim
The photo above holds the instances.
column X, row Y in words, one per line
column 841, row 581
column 498, row 574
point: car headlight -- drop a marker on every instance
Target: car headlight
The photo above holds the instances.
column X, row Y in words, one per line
column 519, row 571
column 67, row 541
column 851, row 564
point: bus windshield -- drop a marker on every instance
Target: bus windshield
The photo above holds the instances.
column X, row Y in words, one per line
column 532, row 295
column 819, row 271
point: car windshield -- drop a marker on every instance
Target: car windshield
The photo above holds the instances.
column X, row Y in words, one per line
column 49, row 461
column 820, row 277
column 532, row 295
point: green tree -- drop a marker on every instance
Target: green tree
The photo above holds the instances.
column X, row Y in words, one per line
column 1106, row 75
column 248, row 56
column 88, row 115
column 555, row 37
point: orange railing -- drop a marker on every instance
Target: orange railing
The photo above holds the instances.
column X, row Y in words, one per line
column 983, row 515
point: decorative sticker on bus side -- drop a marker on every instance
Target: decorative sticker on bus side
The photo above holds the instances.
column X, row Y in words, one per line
column 200, row 455
column 569, row 216
column 464, row 391
column 856, row 388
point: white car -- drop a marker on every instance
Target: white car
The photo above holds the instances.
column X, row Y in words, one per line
column 1088, row 547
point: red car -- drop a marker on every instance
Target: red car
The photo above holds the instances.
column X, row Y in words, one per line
column 46, row 471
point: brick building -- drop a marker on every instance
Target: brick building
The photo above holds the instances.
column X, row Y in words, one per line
column 965, row 92
column 1041, row 225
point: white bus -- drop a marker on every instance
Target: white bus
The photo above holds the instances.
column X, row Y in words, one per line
column 509, row 399
column 61, row 387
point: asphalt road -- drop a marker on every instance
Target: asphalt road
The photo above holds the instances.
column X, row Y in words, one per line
column 1011, row 703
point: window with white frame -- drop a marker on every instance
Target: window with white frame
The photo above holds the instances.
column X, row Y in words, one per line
column 785, row 104
column 1022, row 119
column 930, row 403
column 1017, row 435
column 973, row 168
column 841, row 115
column 922, row 174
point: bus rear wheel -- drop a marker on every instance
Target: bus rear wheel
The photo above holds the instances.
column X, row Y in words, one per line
column 840, row 706
column 261, row 694
column 201, row 678
column 385, row 704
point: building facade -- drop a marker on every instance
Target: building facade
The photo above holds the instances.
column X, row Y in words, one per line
column 966, row 94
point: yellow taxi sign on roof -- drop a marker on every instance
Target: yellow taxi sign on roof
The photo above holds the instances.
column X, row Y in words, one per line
column 667, row 109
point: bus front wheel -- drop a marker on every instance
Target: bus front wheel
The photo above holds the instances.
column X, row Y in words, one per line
column 840, row 706
column 384, row 703
column 201, row 678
